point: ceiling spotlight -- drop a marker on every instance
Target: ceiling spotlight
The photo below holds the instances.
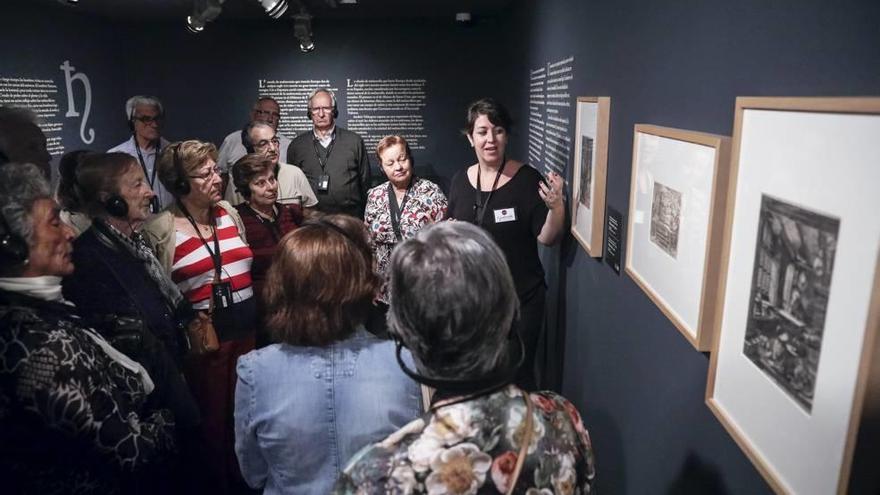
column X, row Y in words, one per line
column 275, row 8
column 302, row 30
column 204, row 11
column 194, row 24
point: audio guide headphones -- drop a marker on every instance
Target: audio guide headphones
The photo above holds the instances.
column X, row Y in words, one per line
column 13, row 248
column 181, row 181
column 116, row 206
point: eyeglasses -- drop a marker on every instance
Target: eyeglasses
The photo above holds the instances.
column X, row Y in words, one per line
column 321, row 109
column 148, row 119
column 261, row 145
column 207, row 175
column 266, row 113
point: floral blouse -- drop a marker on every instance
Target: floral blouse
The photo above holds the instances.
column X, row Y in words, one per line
column 425, row 205
column 472, row 447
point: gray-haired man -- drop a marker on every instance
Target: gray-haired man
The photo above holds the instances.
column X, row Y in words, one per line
column 145, row 115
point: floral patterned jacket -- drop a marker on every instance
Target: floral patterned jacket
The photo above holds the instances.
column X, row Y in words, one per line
column 72, row 420
column 426, row 205
column 472, row 447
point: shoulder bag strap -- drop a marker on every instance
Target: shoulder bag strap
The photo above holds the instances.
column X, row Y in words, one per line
column 524, row 446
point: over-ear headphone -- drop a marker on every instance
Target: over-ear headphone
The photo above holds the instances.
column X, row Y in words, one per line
column 483, row 384
column 131, row 120
column 116, row 206
column 13, row 248
column 3, row 158
column 332, row 99
column 181, row 182
column 246, row 140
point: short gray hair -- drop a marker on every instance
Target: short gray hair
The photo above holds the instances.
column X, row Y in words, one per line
column 453, row 302
column 321, row 90
column 247, row 141
column 150, row 101
column 21, row 185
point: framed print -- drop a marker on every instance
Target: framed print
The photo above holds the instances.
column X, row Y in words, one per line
column 797, row 353
column 677, row 208
column 590, row 166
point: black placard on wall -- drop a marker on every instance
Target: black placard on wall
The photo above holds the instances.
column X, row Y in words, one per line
column 613, row 242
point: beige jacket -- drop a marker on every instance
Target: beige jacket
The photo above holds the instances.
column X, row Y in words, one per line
column 159, row 231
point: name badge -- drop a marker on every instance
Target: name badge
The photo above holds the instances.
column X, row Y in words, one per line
column 505, row 215
column 323, row 183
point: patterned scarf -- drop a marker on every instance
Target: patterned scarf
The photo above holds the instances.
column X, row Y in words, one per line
column 137, row 246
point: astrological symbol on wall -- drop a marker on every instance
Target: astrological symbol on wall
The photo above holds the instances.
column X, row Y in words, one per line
column 69, row 77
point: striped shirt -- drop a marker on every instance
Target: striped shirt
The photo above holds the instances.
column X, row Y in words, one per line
column 193, row 268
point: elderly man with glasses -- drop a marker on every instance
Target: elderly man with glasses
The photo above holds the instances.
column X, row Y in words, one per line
column 334, row 159
column 293, row 186
column 145, row 115
column 234, row 147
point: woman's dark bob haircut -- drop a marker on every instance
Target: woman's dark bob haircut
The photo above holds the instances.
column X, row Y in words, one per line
column 246, row 168
column 97, row 177
column 496, row 112
column 321, row 284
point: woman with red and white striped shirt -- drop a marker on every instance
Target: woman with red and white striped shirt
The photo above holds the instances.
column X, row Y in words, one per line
column 200, row 241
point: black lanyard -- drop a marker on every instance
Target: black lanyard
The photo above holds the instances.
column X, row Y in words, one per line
column 154, row 203
column 215, row 255
column 323, row 163
column 395, row 209
column 480, row 205
column 273, row 224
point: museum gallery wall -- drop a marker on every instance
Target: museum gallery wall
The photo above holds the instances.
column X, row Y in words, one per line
column 678, row 65
column 639, row 382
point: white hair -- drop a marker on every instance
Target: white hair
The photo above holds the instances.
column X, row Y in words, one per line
column 135, row 101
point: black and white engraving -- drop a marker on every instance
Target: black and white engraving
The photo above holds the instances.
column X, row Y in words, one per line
column 586, row 171
column 794, row 259
column 666, row 218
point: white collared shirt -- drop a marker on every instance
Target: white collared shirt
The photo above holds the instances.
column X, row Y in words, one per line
column 328, row 138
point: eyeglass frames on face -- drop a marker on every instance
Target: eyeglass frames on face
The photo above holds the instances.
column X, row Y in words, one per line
column 207, row 175
column 266, row 142
column 266, row 113
column 148, row 119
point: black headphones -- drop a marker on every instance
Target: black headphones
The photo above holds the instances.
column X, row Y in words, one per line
column 3, row 158
column 332, row 98
column 116, row 206
column 13, row 248
column 181, row 182
column 326, row 224
column 246, row 140
column 481, row 385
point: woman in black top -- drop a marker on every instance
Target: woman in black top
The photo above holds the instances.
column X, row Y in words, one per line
column 517, row 207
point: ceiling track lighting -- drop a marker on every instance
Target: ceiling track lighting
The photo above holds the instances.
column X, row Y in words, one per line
column 204, row 11
column 302, row 30
column 274, row 8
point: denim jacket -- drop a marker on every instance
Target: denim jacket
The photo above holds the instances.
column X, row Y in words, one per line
column 302, row 412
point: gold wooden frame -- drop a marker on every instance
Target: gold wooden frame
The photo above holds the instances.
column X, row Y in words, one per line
column 706, row 323
column 866, row 397
column 594, row 245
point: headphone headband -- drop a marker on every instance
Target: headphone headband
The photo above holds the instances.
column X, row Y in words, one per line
column 491, row 381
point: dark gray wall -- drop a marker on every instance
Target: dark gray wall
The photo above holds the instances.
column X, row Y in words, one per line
column 36, row 41
column 209, row 81
column 638, row 383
